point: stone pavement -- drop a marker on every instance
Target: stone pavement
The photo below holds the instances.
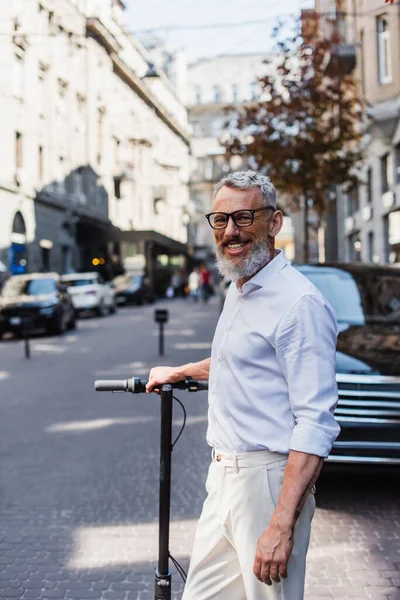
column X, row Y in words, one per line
column 79, row 473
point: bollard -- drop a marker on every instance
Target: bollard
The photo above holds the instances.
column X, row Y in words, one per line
column 27, row 346
column 26, row 330
column 161, row 316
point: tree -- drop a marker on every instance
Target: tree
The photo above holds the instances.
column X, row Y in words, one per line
column 305, row 131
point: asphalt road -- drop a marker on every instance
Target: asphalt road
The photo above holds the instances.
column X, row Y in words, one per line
column 79, row 472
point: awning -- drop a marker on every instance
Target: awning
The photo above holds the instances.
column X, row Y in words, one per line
column 170, row 245
column 90, row 229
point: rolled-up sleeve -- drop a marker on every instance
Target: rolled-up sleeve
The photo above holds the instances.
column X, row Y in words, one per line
column 306, row 351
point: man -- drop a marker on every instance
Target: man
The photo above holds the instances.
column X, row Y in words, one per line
column 272, row 393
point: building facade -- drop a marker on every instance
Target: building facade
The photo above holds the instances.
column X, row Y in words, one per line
column 94, row 146
column 368, row 220
column 217, row 89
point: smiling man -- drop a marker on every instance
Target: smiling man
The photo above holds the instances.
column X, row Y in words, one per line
column 272, row 393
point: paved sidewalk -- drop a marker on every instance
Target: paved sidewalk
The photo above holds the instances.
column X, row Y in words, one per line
column 79, row 473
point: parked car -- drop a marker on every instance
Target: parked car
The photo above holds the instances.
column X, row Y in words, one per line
column 366, row 300
column 90, row 293
column 35, row 301
column 133, row 288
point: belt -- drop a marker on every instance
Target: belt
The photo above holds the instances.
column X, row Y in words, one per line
column 248, row 459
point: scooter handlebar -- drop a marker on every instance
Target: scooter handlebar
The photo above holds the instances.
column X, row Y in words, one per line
column 136, row 386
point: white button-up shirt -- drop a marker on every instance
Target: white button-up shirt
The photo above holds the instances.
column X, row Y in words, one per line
column 272, row 382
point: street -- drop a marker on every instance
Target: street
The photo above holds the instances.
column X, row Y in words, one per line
column 79, row 472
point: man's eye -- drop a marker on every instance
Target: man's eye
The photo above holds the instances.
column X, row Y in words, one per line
column 219, row 219
column 243, row 217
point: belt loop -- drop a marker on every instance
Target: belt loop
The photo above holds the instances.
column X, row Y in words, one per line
column 235, row 463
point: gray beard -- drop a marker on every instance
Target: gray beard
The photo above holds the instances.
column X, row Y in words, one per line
column 257, row 258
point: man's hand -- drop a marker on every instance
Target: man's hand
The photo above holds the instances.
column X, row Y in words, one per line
column 160, row 375
column 273, row 552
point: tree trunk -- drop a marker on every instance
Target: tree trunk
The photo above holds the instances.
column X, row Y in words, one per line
column 306, row 232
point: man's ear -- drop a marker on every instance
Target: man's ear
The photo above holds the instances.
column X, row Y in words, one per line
column 275, row 223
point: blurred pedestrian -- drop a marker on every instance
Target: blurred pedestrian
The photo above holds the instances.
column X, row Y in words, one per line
column 272, row 395
column 205, row 283
column 194, row 284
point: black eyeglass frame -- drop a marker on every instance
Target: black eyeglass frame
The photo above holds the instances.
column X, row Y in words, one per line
column 232, row 215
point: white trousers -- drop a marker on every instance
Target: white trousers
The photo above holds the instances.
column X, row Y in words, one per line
column 242, row 494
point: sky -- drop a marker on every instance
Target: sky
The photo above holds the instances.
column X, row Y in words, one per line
column 182, row 23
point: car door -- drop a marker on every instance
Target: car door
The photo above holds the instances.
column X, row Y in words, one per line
column 102, row 291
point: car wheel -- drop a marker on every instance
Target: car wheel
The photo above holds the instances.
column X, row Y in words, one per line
column 113, row 308
column 72, row 323
column 58, row 327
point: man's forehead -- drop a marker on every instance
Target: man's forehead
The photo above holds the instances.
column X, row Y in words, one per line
column 226, row 195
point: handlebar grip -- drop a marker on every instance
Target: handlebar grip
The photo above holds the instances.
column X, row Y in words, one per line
column 116, row 385
column 202, row 386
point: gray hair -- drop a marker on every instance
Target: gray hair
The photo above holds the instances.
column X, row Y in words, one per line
column 244, row 180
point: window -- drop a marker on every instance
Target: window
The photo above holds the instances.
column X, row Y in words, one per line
column 117, row 187
column 45, row 259
column 18, row 150
column 197, row 94
column 370, row 246
column 397, row 161
column 386, row 172
column 235, row 92
column 197, row 129
column 353, row 202
column 60, row 182
column 99, row 136
column 384, row 51
column 355, row 247
column 254, row 91
column 18, row 77
column 217, row 93
column 369, row 186
column 217, row 126
column 40, row 164
column 42, row 91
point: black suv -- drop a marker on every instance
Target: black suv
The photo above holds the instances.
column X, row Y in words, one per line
column 35, row 301
column 366, row 300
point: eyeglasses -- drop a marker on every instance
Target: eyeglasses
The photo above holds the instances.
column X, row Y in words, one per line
column 241, row 218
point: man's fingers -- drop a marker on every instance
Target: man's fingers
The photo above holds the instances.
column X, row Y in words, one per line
column 265, row 575
column 274, row 573
column 283, row 571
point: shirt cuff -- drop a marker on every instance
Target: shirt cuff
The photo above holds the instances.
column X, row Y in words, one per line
column 313, row 440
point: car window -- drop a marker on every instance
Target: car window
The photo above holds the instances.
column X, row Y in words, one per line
column 78, row 282
column 341, row 291
column 366, row 295
column 29, row 287
column 137, row 280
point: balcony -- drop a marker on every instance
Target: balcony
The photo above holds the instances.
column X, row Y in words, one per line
column 343, row 59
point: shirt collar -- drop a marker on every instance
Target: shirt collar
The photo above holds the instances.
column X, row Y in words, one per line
column 263, row 276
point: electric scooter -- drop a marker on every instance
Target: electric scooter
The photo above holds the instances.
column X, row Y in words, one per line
column 136, row 386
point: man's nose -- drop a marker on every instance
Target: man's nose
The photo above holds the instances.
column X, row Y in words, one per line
column 231, row 229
